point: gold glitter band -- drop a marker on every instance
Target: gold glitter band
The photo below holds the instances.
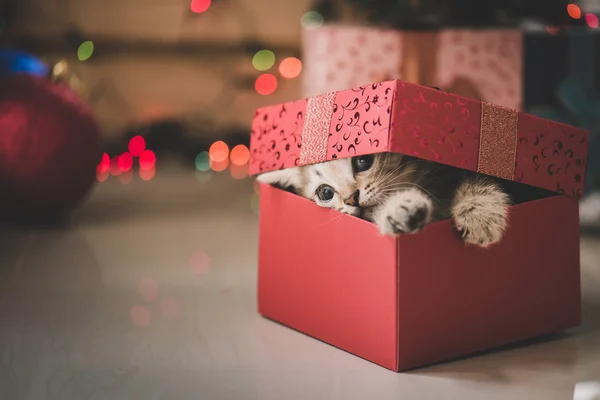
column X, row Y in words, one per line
column 498, row 141
column 315, row 134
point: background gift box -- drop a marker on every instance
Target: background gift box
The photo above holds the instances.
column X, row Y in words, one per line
column 482, row 64
column 467, row 47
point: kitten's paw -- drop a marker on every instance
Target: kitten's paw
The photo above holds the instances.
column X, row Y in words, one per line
column 480, row 213
column 404, row 212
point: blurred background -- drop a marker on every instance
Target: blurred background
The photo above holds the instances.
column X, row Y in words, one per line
column 133, row 119
column 180, row 76
column 166, row 80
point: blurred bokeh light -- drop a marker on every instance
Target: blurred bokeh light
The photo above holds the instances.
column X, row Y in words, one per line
column 266, row 84
column 263, row 60
column 290, row 67
column 200, row 6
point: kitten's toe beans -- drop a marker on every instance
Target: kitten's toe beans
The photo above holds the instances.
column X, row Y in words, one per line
column 395, row 227
column 417, row 219
column 405, row 212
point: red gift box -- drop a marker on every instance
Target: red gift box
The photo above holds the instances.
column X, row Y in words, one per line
column 418, row 299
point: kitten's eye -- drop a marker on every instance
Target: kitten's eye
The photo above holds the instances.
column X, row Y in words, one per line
column 363, row 163
column 325, row 192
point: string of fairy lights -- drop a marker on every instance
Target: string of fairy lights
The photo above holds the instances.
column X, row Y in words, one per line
column 138, row 160
column 122, row 166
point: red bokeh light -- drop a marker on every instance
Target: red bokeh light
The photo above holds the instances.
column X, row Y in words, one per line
column 239, row 155
column 574, row 11
column 102, row 176
column 290, row 67
column 199, row 6
column 266, row 84
column 137, row 145
column 104, row 164
column 219, row 151
column 147, row 159
column 125, row 162
column 219, row 166
column 591, row 20
column 147, row 174
column 114, row 166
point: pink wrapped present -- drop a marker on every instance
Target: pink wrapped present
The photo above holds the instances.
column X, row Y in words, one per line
column 481, row 64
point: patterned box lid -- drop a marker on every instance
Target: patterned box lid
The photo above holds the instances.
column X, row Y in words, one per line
column 397, row 116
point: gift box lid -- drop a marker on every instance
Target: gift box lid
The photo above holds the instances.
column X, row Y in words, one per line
column 401, row 117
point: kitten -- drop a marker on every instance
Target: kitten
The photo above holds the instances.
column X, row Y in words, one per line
column 401, row 194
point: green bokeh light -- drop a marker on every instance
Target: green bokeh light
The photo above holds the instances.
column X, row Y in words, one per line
column 85, row 50
column 203, row 161
column 311, row 20
column 263, row 60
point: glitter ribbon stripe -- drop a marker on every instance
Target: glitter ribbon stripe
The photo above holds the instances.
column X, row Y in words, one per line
column 315, row 134
column 498, row 141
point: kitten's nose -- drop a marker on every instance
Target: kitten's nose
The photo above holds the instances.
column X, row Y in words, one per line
column 352, row 200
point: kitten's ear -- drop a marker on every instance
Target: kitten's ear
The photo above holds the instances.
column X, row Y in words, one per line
column 288, row 179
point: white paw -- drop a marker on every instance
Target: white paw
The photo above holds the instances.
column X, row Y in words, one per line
column 404, row 212
column 482, row 218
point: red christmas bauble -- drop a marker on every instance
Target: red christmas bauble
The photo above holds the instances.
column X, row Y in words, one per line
column 50, row 145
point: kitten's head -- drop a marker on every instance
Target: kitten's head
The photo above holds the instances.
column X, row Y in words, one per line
column 350, row 184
